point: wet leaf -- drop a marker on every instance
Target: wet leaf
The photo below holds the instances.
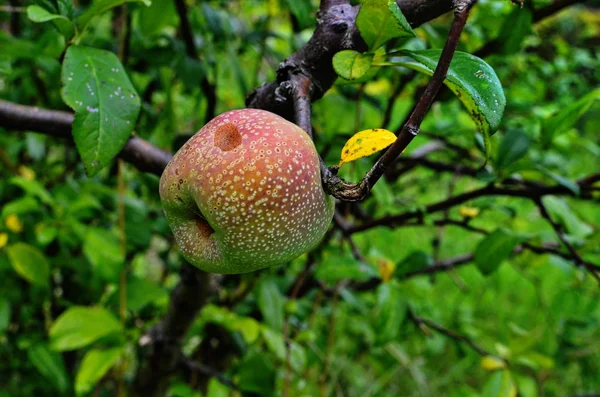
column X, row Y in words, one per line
column 472, row 80
column 365, row 143
column 106, row 104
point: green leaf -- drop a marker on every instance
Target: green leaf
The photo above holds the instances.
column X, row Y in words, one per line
column 99, row 7
column 274, row 342
column 141, row 292
column 271, row 303
column 21, row 206
column 561, row 180
column 247, row 326
column 338, row 267
column 33, row 188
column 414, row 261
column 500, row 384
column 562, row 214
column 80, row 326
column 564, row 120
column 303, row 12
column 381, row 20
column 156, row 17
column 106, row 104
column 514, row 145
column 472, row 80
column 51, row 365
column 4, row 314
column 102, row 249
column 391, row 311
column 493, row 249
column 351, row 64
column 29, row 263
column 257, row 375
column 65, row 7
column 515, row 28
column 94, row 366
column 39, row 14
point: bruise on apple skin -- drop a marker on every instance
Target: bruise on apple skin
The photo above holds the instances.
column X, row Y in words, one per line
column 227, row 137
column 255, row 178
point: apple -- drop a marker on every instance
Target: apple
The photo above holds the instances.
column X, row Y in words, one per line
column 244, row 193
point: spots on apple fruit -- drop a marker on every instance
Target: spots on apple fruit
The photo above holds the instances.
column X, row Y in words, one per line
column 254, row 177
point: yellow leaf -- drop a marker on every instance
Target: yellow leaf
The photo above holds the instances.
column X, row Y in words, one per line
column 491, row 363
column 13, row 224
column 3, row 239
column 386, row 269
column 27, row 173
column 365, row 143
column 468, row 212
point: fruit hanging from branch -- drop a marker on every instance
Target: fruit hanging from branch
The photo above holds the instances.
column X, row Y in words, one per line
column 244, row 193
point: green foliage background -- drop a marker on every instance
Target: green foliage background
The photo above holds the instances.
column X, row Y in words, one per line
column 538, row 315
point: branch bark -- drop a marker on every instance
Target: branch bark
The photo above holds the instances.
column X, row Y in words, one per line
column 163, row 341
column 139, row 152
column 336, row 31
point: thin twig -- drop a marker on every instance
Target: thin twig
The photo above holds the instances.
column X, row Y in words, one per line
column 558, row 229
column 387, row 114
column 205, row 370
column 489, row 190
column 420, row 321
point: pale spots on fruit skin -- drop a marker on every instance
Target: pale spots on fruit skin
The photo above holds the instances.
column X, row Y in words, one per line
column 263, row 196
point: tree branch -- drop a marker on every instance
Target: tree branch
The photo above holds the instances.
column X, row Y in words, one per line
column 529, row 192
column 420, row 322
column 354, row 192
column 558, row 229
column 142, row 154
column 163, row 341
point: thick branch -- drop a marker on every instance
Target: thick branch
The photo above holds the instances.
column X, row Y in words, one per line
column 164, row 339
column 336, row 31
column 142, row 154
